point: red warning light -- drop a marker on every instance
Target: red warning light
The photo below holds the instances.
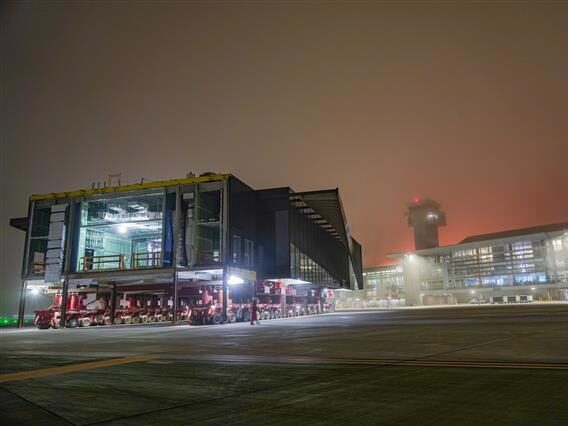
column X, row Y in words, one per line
column 416, row 199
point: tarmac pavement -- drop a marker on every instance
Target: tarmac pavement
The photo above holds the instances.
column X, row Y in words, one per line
column 459, row 365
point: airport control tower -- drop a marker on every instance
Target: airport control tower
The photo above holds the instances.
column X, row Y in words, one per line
column 425, row 216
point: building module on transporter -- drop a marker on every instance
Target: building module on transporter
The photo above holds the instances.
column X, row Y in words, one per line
column 198, row 248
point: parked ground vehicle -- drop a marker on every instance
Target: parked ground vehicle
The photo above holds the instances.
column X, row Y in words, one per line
column 524, row 298
column 201, row 304
column 82, row 311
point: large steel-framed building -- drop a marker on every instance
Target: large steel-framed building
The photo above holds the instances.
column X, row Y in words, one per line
column 207, row 240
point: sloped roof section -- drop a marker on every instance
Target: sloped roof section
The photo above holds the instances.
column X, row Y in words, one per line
column 555, row 227
column 324, row 205
column 326, row 208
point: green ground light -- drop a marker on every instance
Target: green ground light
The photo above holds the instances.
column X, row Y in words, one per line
column 12, row 321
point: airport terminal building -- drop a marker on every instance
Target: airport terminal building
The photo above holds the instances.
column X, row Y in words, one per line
column 160, row 248
column 513, row 266
column 510, row 266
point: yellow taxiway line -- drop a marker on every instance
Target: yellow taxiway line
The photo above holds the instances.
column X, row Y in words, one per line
column 34, row 374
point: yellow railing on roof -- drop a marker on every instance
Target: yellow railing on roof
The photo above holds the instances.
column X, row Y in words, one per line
column 132, row 187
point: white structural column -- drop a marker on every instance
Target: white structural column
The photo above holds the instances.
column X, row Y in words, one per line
column 410, row 265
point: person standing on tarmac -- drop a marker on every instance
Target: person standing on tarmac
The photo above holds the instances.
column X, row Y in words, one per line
column 254, row 312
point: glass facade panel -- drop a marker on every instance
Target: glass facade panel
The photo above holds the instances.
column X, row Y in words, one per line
column 236, row 249
column 40, row 222
column 121, row 233
column 207, row 235
column 519, row 263
column 302, row 267
column 384, row 282
column 38, row 240
column 248, row 254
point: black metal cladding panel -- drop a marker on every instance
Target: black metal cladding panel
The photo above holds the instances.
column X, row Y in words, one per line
column 282, row 243
column 268, row 203
column 321, row 246
column 19, row 223
column 242, row 211
column 357, row 259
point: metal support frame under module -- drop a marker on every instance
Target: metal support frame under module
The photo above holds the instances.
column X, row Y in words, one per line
column 224, row 246
column 176, row 253
column 24, row 288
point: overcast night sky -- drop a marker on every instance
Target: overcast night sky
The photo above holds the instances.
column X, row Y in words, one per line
column 463, row 103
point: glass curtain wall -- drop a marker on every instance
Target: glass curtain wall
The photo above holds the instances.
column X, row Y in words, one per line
column 384, row 282
column 204, row 216
column 317, row 255
column 121, row 233
column 302, row 267
column 518, row 263
column 557, row 258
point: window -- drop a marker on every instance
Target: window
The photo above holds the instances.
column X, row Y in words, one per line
column 236, row 249
column 249, row 253
column 207, row 237
column 121, row 233
column 485, row 254
column 37, row 248
column 557, row 244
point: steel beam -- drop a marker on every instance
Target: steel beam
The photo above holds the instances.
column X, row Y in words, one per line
column 64, row 293
column 176, row 250
column 25, row 265
column 67, row 250
column 22, row 308
column 112, row 302
column 225, row 246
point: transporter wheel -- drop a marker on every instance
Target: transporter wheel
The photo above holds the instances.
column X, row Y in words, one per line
column 72, row 323
column 272, row 315
column 265, row 315
column 100, row 319
column 135, row 320
column 144, row 318
column 151, row 318
column 277, row 314
column 86, row 321
column 231, row 317
column 107, row 321
column 127, row 319
column 216, row 319
column 246, row 316
column 117, row 320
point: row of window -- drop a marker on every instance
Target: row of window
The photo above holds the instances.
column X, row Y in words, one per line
column 493, row 281
column 306, row 269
